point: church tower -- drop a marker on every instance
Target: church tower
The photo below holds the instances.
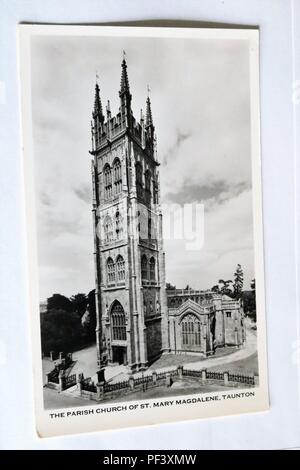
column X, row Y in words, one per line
column 132, row 321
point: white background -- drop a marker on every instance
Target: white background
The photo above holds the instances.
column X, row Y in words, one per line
column 277, row 428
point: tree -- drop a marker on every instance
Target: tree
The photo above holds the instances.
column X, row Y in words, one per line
column 226, row 287
column 215, row 288
column 170, row 286
column 59, row 302
column 238, row 281
column 61, row 331
column 79, row 303
column 252, row 285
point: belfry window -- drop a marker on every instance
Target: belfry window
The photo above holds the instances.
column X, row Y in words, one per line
column 190, row 330
column 107, row 182
column 144, row 268
column 152, row 269
column 139, row 179
column 148, row 186
column 120, row 270
column 118, row 322
column 149, row 225
column 111, row 271
column 108, row 229
column 117, row 169
column 119, row 226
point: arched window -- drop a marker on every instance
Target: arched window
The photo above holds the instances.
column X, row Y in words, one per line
column 148, row 186
column 118, row 322
column 120, row 270
column 154, row 192
column 190, row 330
column 152, row 269
column 117, row 169
column 139, row 179
column 108, row 229
column 144, row 268
column 111, row 271
column 149, row 225
column 107, row 182
column 119, row 226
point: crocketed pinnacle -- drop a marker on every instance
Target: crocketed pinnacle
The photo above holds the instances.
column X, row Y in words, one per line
column 97, row 105
column 149, row 121
column 124, row 88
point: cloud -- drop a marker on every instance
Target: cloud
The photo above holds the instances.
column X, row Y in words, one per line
column 201, row 112
column 84, row 193
column 180, row 138
column 216, row 192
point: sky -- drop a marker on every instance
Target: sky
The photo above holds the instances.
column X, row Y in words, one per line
column 200, row 95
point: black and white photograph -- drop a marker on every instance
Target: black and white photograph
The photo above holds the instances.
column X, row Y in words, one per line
column 145, row 222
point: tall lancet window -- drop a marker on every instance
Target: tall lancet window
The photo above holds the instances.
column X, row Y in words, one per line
column 139, row 179
column 144, row 268
column 118, row 322
column 108, row 229
column 119, row 226
column 148, row 186
column 120, row 270
column 152, row 269
column 117, row 169
column 107, row 182
column 111, row 271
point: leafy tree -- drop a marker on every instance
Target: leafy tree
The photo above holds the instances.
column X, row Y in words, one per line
column 238, row 281
column 79, row 303
column 59, row 302
column 170, row 286
column 253, row 285
column 215, row 288
column 61, row 331
column 225, row 287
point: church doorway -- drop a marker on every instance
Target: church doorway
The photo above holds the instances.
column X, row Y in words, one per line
column 119, row 355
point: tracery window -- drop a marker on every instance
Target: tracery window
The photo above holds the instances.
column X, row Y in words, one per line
column 118, row 322
column 107, row 181
column 108, row 229
column 119, row 226
column 148, row 186
column 191, row 330
column 117, row 169
column 149, row 225
column 152, row 269
column 144, row 268
column 139, row 179
column 111, row 271
column 120, row 269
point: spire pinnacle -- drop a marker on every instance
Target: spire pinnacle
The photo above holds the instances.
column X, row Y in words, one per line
column 97, row 103
column 149, row 121
column 124, row 88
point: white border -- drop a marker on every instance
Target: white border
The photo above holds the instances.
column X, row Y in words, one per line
column 50, row 427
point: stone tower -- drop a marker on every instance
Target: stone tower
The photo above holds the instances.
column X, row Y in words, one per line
column 132, row 322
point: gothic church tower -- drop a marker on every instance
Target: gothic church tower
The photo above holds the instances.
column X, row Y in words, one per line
column 132, row 321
